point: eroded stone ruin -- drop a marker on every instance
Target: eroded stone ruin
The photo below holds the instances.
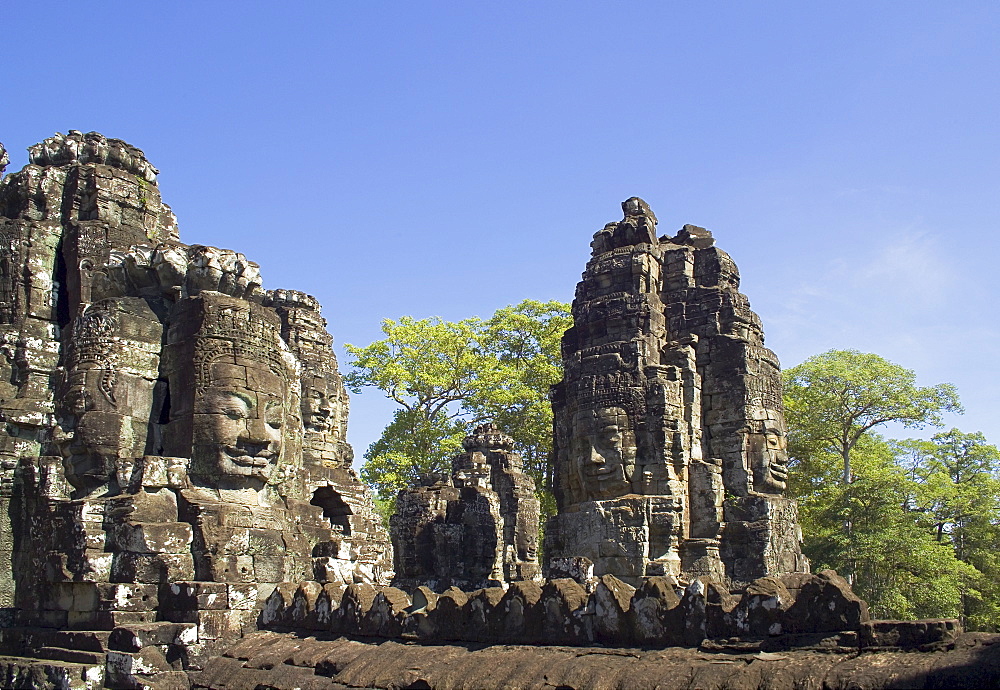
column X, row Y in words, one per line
column 174, row 439
column 178, row 508
column 474, row 528
column 669, row 430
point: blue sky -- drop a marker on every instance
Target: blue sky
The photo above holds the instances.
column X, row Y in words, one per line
column 446, row 159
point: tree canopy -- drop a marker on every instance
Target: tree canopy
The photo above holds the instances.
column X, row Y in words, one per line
column 448, row 376
column 915, row 523
column 833, row 399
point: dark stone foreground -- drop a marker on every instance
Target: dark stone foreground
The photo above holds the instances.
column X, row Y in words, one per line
column 282, row 662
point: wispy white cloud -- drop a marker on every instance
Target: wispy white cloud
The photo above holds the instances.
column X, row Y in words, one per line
column 912, row 270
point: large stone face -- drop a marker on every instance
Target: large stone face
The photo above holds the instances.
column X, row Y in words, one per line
column 476, row 528
column 669, row 430
column 174, row 437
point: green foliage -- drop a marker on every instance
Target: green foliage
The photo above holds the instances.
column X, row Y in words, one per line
column 898, row 565
column 832, row 400
column 957, row 479
column 915, row 523
column 448, row 376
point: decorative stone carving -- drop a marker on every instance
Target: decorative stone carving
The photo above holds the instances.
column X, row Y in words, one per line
column 669, row 432
column 476, row 528
column 151, row 394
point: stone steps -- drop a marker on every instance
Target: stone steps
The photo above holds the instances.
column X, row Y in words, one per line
column 73, row 656
column 41, row 674
column 28, row 642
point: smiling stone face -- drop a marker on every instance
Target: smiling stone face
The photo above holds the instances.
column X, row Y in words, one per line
column 603, row 450
column 318, row 404
column 238, row 424
column 767, row 451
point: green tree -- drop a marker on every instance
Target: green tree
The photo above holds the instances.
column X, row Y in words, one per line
column 899, row 566
column 832, row 400
column 857, row 503
column 957, row 476
column 448, row 376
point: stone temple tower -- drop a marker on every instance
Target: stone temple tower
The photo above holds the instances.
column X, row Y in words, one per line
column 669, row 430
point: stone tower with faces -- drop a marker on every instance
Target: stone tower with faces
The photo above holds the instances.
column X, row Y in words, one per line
column 174, row 438
column 475, row 527
column 669, row 430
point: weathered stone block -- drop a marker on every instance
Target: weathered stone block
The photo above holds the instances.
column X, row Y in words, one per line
column 450, row 614
column 419, row 621
column 654, row 617
column 127, row 669
column 127, row 597
column 823, row 603
column 387, row 616
column 303, row 612
column 720, row 621
column 908, row 634
column 520, row 615
column 107, row 619
column 242, row 596
column 151, row 537
column 762, row 608
column 481, row 623
column 229, row 568
column 278, row 605
column 152, row 567
column 195, row 596
column 357, row 601
column 328, row 607
column 568, row 618
column 612, row 610
column 224, row 625
column 132, row 638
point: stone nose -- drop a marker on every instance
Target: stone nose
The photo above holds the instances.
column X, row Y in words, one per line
column 260, row 432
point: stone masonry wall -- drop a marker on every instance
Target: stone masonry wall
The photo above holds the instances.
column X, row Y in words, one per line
column 172, row 436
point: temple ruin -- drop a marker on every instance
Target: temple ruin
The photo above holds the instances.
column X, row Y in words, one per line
column 669, row 430
column 178, row 508
column 474, row 528
column 174, row 439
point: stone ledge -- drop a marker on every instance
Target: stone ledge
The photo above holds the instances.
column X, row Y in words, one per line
column 973, row 662
column 605, row 610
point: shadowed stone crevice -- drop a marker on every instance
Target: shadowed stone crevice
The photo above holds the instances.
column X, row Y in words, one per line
column 335, row 509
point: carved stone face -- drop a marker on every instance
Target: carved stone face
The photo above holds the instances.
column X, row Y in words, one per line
column 98, row 430
column 318, row 408
column 768, row 454
column 527, row 546
column 238, row 424
column 603, row 452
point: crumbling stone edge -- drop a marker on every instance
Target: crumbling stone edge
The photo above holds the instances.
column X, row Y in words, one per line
column 794, row 610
